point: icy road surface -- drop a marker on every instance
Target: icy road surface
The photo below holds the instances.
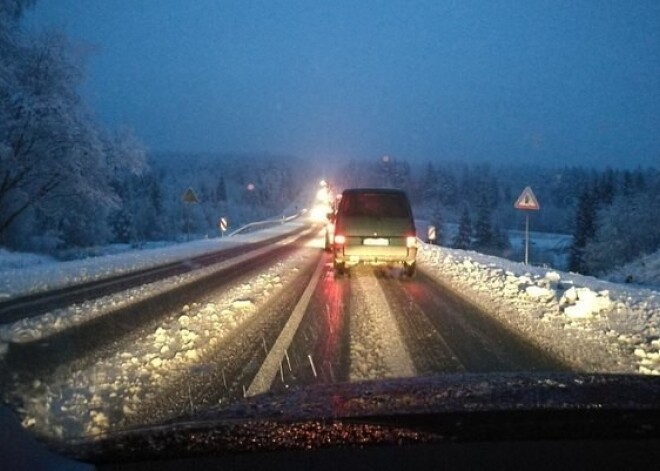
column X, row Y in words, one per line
column 369, row 325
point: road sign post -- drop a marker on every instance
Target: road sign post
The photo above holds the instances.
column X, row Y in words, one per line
column 527, row 202
column 224, row 224
column 431, row 234
column 189, row 197
column 526, row 238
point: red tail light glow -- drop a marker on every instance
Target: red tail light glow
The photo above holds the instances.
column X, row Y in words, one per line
column 411, row 241
column 340, row 239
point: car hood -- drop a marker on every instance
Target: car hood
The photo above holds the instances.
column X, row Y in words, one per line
column 451, row 407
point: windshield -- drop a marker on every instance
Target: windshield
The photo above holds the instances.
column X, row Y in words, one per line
column 362, row 204
column 171, row 174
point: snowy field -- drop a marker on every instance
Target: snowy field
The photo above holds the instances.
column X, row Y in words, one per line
column 643, row 271
column 12, row 260
column 592, row 324
column 545, row 248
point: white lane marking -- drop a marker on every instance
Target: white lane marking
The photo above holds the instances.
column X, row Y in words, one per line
column 377, row 349
column 271, row 365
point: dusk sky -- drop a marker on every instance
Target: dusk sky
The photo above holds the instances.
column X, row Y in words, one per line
column 549, row 82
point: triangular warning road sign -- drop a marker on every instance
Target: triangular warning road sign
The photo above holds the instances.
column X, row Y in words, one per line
column 189, row 196
column 527, row 201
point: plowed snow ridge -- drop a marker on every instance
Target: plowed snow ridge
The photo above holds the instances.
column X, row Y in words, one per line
column 376, row 345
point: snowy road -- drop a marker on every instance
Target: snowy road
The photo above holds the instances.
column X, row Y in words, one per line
column 279, row 322
column 29, row 305
column 377, row 325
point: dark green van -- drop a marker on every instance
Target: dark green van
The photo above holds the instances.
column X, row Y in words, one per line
column 374, row 226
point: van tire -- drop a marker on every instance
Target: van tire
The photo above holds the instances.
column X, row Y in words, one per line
column 340, row 269
column 410, row 269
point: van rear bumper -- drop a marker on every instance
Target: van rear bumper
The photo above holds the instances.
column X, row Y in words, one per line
column 354, row 255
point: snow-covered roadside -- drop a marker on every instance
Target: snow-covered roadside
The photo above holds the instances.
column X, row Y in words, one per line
column 44, row 277
column 39, row 327
column 108, row 394
column 17, row 260
column 593, row 325
column 643, row 271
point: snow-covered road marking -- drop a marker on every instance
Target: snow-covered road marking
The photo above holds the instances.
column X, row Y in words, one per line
column 271, row 365
column 376, row 345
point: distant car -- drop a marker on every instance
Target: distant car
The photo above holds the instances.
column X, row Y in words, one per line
column 374, row 226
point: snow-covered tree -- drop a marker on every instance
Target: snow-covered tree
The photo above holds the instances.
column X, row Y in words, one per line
column 584, row 230
column 501, row 241
column 447, row 187
column 627, row 229
column 54, row 159
column 483, row 231
column 430, row 183
column 463, row 238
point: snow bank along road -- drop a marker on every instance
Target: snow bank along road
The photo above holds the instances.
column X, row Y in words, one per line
column 280, row 321
column 27, row 303
column 591, row 324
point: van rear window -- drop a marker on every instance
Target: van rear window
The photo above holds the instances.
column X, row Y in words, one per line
column 390, row 205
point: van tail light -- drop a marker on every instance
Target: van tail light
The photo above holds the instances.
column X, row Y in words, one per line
column 340, row 239
column 411, row 241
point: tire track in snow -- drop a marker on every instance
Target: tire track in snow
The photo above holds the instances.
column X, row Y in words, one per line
column 377, row 349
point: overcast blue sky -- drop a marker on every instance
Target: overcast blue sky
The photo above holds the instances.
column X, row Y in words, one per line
column 553, row 82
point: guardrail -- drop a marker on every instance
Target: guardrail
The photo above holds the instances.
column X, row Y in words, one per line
column 255, row 226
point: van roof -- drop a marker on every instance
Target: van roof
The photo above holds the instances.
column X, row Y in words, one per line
column 374, row 190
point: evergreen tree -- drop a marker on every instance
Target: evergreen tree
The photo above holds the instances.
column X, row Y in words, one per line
column 430, row 184
column 400, row 174
column 483, row 226
column 607, row 187
column 463, row 238
column 153, row 213
column 508, row 195
column 447, row 191
column 221, row 190
column 501, row 240
column 628, row 184
column 639, row 180
column 585, row 228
